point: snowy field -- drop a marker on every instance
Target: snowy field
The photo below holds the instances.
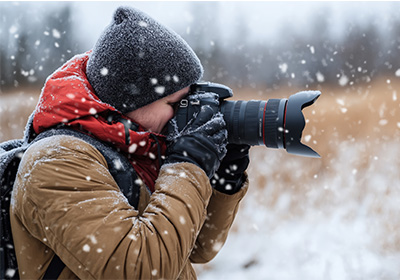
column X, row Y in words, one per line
column 337, row 217
column 332, row 218
column 340, row 224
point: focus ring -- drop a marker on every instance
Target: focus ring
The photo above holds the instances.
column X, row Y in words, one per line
column 271, row 123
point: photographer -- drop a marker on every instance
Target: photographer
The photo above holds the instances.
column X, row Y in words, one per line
column 100, row 114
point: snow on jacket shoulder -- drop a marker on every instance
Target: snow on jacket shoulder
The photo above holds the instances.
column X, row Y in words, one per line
column 65, row 201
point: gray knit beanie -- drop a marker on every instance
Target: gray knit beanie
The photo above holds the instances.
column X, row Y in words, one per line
column 137, row 61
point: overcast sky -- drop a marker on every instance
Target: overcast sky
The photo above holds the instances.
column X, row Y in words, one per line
column 264, row 20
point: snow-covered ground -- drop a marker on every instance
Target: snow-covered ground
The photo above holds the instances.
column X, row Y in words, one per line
column 352, row 234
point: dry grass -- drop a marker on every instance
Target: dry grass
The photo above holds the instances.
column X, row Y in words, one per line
column 15, row 108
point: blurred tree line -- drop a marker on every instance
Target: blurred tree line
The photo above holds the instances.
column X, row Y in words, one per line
column 34, row 44
column 362, row 52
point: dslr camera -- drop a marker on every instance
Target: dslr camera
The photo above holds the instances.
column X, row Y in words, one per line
column 275, row 123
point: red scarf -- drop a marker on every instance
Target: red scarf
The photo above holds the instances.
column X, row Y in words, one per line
column 68, row 98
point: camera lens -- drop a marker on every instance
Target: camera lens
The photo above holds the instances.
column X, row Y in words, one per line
column 275, row 123
column 255, row 122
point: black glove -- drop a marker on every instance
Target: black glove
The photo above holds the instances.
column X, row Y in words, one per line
column 202, row 142
column 229, row 178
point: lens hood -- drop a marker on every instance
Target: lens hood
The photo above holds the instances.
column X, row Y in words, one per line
column 295, row 123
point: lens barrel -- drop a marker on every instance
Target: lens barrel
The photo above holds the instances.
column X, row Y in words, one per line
column 276, row 123
column 255, row 122
column 244, row 121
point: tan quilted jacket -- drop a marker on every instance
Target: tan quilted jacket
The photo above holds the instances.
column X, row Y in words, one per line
column 65, row 201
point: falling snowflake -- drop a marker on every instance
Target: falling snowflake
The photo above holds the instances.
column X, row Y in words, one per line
column 142, row 143
column 117, row 164
column 93, row 111
column 10, row 272
column 340, row 101
column 86, row 248
column 217, row 246
column 159, row 89
column 13, row 29
column 93, row 239
column 383, row 122
column 138, row 181
column 132, row 148
column 343, row 80
column 104, row 71
column 56, row 34
column 132, row 236
column 143, row 23
column 320, row 77
column 283, row 67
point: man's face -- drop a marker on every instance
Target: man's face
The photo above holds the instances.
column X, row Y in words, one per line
column 155, row 116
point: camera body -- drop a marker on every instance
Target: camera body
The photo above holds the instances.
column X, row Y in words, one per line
column 275, row 123
column 198, row 96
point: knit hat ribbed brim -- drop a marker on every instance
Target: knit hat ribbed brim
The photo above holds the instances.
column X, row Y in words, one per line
column 137, row 61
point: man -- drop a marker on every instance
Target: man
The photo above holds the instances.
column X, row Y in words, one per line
column 68, row 201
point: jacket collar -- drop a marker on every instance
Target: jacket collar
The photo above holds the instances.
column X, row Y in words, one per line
column 68, row 99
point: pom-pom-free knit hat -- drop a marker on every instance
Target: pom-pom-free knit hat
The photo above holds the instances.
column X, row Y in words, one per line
column 137, row 61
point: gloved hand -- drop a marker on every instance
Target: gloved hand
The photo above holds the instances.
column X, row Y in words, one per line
column 202, row 142
column 230, row 177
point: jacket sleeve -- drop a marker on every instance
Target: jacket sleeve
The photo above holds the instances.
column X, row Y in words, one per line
column 221, row 212
column 73, row 205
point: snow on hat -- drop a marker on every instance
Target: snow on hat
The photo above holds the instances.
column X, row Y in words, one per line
column 137, row 61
